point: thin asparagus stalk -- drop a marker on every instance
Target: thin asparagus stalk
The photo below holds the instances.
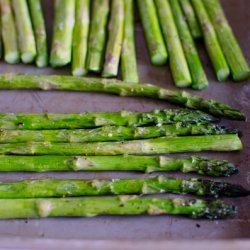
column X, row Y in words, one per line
column 97, row 119
column 56, row 82
column 120, row 205
column 212, row 44
column 80, row 38
column 111, row 133
column 228, row 142
column 191, row 19
column 98, row 34
column 40, row 32
column 47, row 188
column 62, row 33
column 231, row 49
column 199, row 79
column 128, row 55
column 9, row 33
column 115, row 39
column 148, row 164
column 178, row 63
column 156, row 46
column 25, row 33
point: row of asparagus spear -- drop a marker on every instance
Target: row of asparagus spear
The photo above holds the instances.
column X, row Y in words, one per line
column 98, row 40
column 101, row 141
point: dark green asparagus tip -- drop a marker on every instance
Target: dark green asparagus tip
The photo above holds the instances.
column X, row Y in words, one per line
column 217, row 210
column 223, row 189
column 214, row 167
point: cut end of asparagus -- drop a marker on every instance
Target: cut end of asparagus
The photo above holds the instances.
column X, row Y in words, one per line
column 242, row 75
column 223, row 74
column 217, row 210
column 159, row 60
column 28, row 57
column 79, row 72
column 12, row 58
column 200, row 85
column 41, row 62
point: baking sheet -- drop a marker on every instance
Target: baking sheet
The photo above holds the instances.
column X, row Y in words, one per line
column 132, row 227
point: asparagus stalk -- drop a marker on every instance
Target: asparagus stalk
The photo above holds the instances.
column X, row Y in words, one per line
column 97, row 119
column 25, row 32
column 62, row 33
column 111, row 133
column 80, row 38
column 231, row 49
column 9, row 33
column 47, row 188
column 156, row 46
column 199, row 79
column 212, row 44
column 97, row 36
column 50, row 82
column 40, row 32
column 229, row 142
column 115, row 38
column 1, row 42
column 120, row 205
column 128, row 55
column 148, row 164
column 178, row 63
column 191, row 18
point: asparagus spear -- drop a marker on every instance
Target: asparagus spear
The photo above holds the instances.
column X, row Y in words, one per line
column 111, row 133
column 178, row 63
column 148, row 164
column 65, row 188
column 199, row 79
column 115, row 38
column 156, row 46
column 98, row 33
column 128, row 55
column 40, row 32
column 25, row 32
column 80, row 37
column 212, row 44
column 98, row 119
column 56, row 82
column 62, row 33
column 11, row 51
column 1, row 42
column 231, row 49
column 191, row 19
column 120, row 205
column 230, row 142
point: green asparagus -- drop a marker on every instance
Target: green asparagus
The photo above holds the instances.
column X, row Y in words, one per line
column 228, row 142
column 9, row 33
column 191, row 19
column 115, row 38
column 57, row 82
column 40, row 32
column 148, row 164
column 178, row 63
column 25, row 32
column 62, row 33
column 120, row 205
column 1, row 42
column 65, row 188
column 128, row 55
column 98, row 34
column 111, row 133
column 156, row 46
column 80, row 38
column 212, row 44
column 199, row 79
column 231, row 49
